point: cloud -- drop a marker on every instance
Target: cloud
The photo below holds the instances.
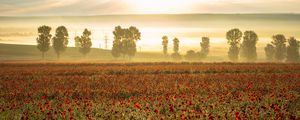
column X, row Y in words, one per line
column 95, row 7
column 20, row 8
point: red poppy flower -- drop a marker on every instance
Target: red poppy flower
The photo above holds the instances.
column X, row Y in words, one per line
column 182, row 116
column 138, row 106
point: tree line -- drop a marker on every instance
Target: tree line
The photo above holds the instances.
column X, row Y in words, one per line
column 242, row 45
column 60, row 40
column 276, row 51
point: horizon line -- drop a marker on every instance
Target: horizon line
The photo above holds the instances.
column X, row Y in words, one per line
column 137, row 14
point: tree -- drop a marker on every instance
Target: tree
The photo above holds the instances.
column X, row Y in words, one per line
column 134, row 35
column 279, row 42
column 191, row 55
column 176, row 55
column 165, row 45
column 293, row 50
column 204, row 47
column 60, row 41
column 248, row 47
column 43, row 40
column 125, row 41
column 234, row 37
column 84, row 42
column 117, row 45
column 269, row 50
column 175, row 45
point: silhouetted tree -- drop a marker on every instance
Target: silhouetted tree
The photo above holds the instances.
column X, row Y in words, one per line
column 175, row 45
column 248, row 46
column 191, row 55
column 117, row 45
column 125, row 41
column 279, row 42
column 204, row 47
column 84, row 42
column 60, row 40
column 234, row 37
column 165, row 44
column 270, row 51
column 134, row 35
column 43, row 40
column 293, row 50
column 176, row 55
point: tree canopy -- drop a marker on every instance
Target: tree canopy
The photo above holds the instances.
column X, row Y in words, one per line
column 60, row 40
column 43, row 40
column 248, row 46
column 234, row 37
column 125, row 41
column 176, row 55
column 84, row 42
column 279, row 43
column 293, row 50
column 269, row 51
column 204, row 47
column 165, row 44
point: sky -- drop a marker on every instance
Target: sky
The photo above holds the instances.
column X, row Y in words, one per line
column 108, row 7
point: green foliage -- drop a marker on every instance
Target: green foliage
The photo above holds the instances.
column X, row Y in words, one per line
column 60, row 41
column 248, row 47
column 204, row 47
column 279, row 42
column 176, row 55
column 269, row 51
column 175, row 45
column 125, row 41
column 234, row 37
column 84, row 42
column 293, row 50
column 43, row 40
column 165, row 45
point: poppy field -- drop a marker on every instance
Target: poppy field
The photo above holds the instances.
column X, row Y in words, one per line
column 158, row 91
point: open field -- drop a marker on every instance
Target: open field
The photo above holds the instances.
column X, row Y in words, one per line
column 149, row 91
column 14, row 52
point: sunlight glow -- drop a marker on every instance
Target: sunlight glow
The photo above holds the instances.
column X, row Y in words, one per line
column 162, row 6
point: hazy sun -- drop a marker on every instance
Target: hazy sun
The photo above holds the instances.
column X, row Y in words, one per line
column 160, row 6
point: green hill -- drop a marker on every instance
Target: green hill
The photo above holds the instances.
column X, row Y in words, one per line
column 30, row 52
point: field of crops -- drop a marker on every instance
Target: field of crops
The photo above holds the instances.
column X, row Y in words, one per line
column 149, row 91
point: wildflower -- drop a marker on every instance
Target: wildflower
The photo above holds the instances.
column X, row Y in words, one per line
column 171, row 109
column 156, row 111
column 43, row 97
column 237, row 116
column 182, row 116
column 138, row 106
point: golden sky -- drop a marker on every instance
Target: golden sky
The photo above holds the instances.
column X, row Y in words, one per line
column 107, row 7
